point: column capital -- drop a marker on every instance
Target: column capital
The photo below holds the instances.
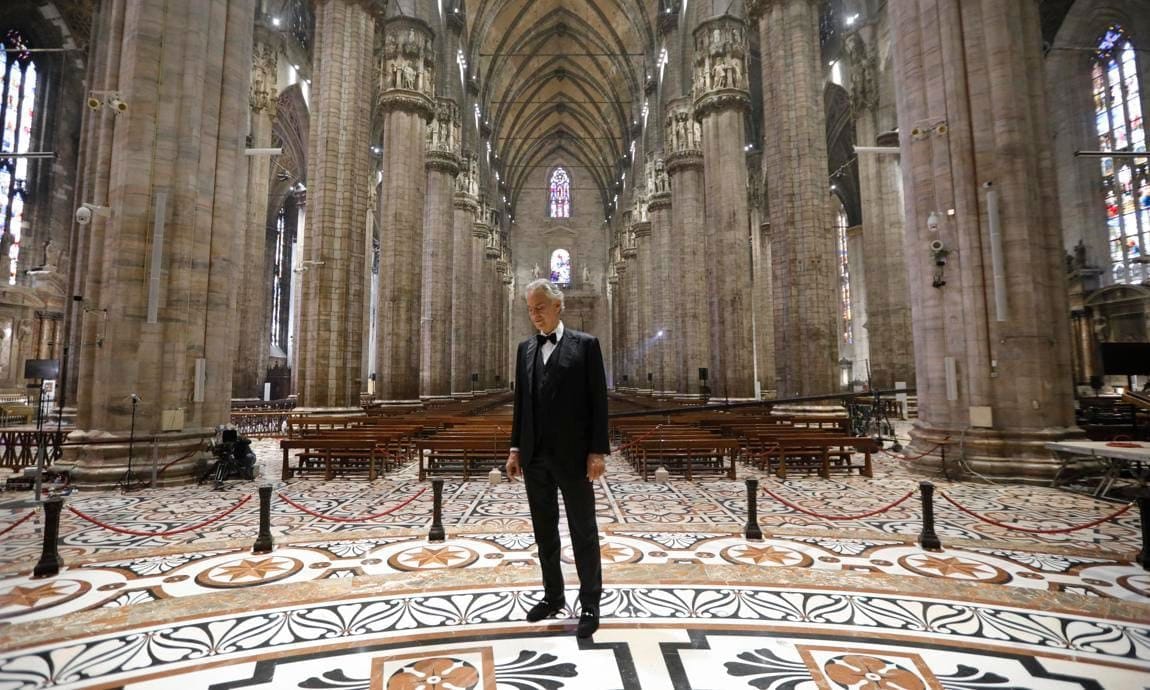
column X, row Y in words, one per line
column 720, row 78
column 480, row 230
column 642, row 229
column 405, row 70
column 262, row 96
column 659, row 201
column 442, row 161
column 444, row 133
column 682, row 135
column 682, row 160
column 465, row 202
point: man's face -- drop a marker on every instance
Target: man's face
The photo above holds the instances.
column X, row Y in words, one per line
column 543, row 310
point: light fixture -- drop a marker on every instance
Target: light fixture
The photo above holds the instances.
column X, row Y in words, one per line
column 275, row 21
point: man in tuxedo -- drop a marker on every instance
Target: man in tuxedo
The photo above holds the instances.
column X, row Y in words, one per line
column 558, row 443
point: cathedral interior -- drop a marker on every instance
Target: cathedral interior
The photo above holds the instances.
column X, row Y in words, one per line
column 263, row 268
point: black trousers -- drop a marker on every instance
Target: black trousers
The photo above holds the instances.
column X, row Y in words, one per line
column 543, row 485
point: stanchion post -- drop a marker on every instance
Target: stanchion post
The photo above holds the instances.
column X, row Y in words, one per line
column 264, row 541
column 436, row 532
column 927, row 539
column 50, row 562
column 1144, row 510
column 752, row 530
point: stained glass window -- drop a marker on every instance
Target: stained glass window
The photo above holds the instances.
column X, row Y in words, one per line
column 561, row 267
column 1125, row 181
column 560, row 194
column 17, row 109
column 841, row 224
column 279, row 270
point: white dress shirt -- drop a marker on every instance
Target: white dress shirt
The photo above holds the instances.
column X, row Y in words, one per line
column 549, row 347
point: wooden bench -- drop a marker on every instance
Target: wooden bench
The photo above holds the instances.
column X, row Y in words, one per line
column 330, row 453
column 443, row 455
column 821, row 453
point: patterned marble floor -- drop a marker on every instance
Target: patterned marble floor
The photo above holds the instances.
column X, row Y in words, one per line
column 689, row 604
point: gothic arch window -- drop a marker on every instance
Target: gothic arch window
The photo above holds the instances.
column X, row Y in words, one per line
column 841, row 225
column 17, row 111
column 1125, row 181
column 560, row 195
column 561, row 267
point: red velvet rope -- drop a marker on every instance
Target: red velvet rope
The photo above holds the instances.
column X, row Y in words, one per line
column 333, row 518
column 168, row 533
column 792, row 506
column 16, row 524
column 1057, row 530
column 916, row 457
column 641, row 437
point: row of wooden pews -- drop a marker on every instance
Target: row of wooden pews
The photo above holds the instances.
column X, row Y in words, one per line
column 444, row 438
column 712, row 442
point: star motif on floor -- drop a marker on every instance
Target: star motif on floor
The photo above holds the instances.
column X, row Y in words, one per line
column 441, row 556
column 952, row 566
column 29, row 597
column 612, row 553
column 252, row 569
column 759, row 554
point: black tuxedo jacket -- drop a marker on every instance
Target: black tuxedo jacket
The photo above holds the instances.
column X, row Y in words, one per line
column 574, row 401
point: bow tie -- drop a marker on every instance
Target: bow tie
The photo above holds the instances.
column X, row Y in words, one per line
column 540, row 339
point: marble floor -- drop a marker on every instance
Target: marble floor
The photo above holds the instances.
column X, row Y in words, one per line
column 689, row 602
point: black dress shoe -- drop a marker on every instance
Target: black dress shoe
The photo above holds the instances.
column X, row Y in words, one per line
column 588, row 624
column 545, row 609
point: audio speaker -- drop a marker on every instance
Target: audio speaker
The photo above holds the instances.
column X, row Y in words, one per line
column 41, row 368
column 702, row 373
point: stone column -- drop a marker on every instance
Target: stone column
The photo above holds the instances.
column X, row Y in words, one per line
column 721, row 102
column 500, row 305
column 155, row 343
column 332, row 298
column 480, row 232
column 632, row 308
column 888, row 322
column 462, row 297
column 644, row 304
column 491, row 286
column 438, row 246
column 998, row 378
column 616, row 341
column 804, row 275
column 253, row 340
column 690, row 333
column 407, row 87
column 664, row 274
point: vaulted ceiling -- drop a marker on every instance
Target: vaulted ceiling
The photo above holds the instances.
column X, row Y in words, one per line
column 562, row 80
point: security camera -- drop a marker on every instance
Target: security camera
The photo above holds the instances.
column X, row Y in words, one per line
column 117, row 104
column 83, row 215
column 85, row 212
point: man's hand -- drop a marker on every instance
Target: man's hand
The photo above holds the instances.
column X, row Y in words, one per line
column 512, row 467
column 596, row 466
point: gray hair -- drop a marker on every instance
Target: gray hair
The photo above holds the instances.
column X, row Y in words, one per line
column 544, row 285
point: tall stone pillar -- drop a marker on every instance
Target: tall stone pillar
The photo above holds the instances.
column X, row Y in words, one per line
column 501, row 337
column 690, row 333
column 480, row 233
column 491, row 287
column 443, row 140
column 803, row 253
column 644, row 304
column 613, row 310
column 407, row 89
column 993, row 366
column 155, row 343
column 664, row 269
column 721, row 103
column 632, row 307
column 884, row 263
column 332, row 297
column 462, row 298
column 254, row 340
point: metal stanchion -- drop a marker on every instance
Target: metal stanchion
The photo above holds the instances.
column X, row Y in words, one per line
column 50, row 561
column 436, row 532
column 927, row 539
column 752, row 530
column 264, row 541
column 1144, row 510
